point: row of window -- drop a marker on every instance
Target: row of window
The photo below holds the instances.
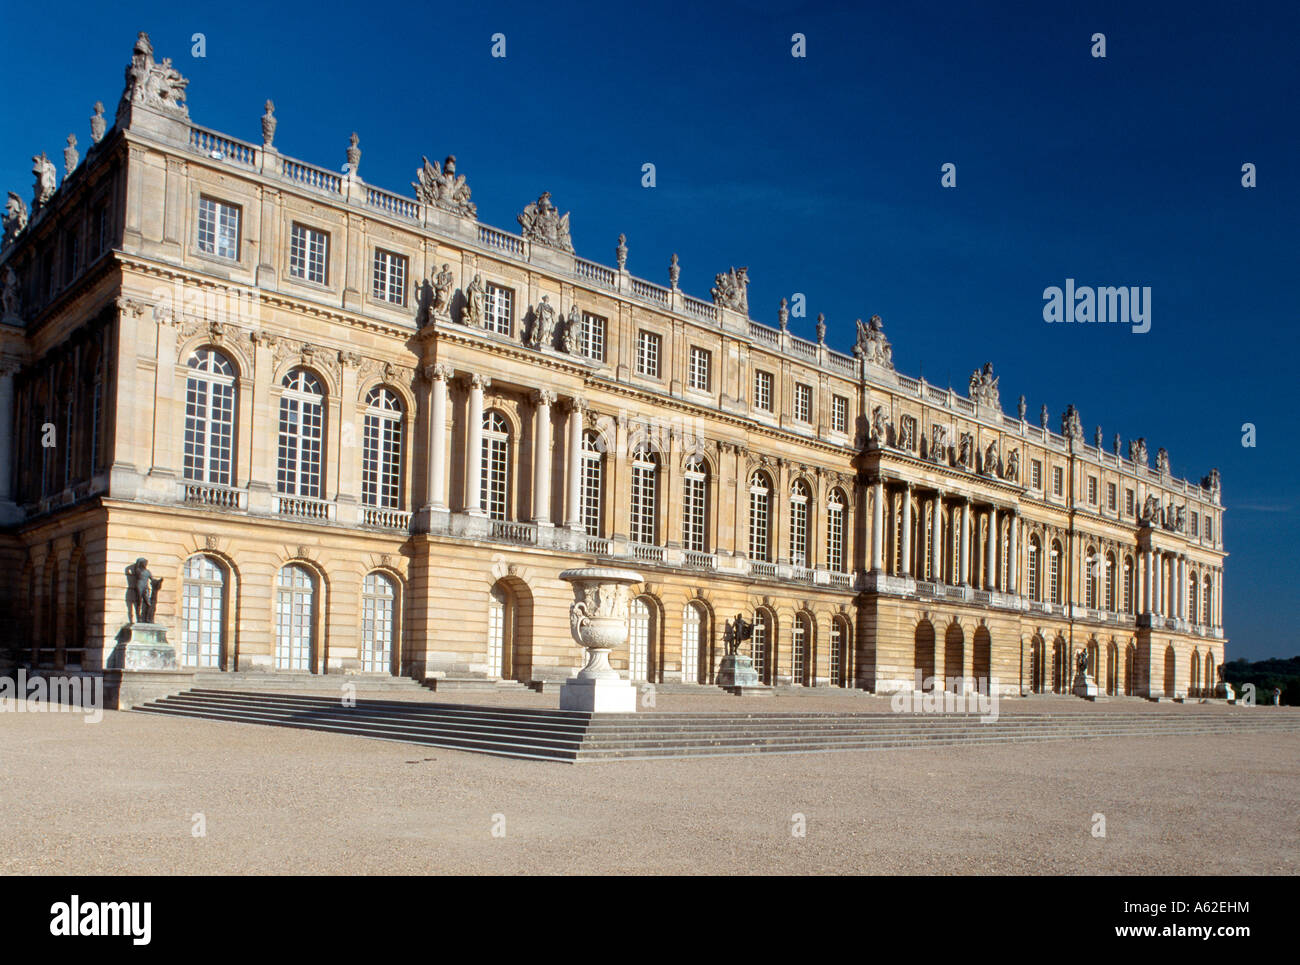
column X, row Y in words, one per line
column 802, row 408
column 210, row 431
column 77, row 249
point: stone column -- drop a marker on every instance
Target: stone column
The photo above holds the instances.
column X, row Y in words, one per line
column 1182, row 588
column 906, row 569
column 7, row 371
column 573, row 474
column 877, row 525
column 474, row 446
column 1157, row 577
column 965, row 543
column 437, row 461
column 543, row 399
column 1147, row 586
column 936, row 540
column 991, row 552
column 1013, row 559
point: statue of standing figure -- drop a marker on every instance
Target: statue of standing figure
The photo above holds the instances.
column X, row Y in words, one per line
column 141, row 592
column 543, row 322
column 472, row 313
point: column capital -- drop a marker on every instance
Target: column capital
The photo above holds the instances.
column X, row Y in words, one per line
column 542, row 397
column 438, row 372
column 577, row 404
column 476, row 381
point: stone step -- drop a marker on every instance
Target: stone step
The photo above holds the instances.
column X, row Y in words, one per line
column 545, row 734
column 481, row 684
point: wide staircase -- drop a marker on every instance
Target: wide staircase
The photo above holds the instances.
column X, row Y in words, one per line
column 557, row 735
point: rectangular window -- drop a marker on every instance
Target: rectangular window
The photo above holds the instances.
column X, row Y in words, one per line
column 1112, row 497
column 1209, row 528
column 499, row 311
column 839, row 414
column 390, row 277
column 802, row 403
column 835, row 534
column 699, row 376
column 593, row 337
column 1195, row 525
column 763, row 391
column 1036, row 474
column 1129, row 502
column 308, row 254
column 71, row 257
column 693, row 511
column 1058, row 481
column 1092, row 489
column 647, row 354
column 218, row 228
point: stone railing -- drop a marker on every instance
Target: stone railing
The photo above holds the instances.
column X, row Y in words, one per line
column 803, row 349
column 500, row 241
column 763, row 568
column 700, row 561
column 222, row 148
column 597, row 546
column 701, row 310
column 512, row 532
column 393, row 204
column 647, row 552
column 650, row 292
column 385, row 518
column 761, row 333
column 220, row 497
column 840, row 580
column 802, row 574
column 844, row 363
column 303, row 507
column 313, row 177
column 594, row 272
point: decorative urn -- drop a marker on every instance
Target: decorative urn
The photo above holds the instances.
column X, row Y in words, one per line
column 598, row 620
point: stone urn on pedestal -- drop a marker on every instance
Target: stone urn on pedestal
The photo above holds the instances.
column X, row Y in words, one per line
column 598, row 619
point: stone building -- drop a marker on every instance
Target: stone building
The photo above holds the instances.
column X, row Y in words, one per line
column 361, row 432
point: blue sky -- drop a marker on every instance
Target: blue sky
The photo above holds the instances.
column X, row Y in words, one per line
column 822, row 174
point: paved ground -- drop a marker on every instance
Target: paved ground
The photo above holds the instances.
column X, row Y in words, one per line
column 119, row 797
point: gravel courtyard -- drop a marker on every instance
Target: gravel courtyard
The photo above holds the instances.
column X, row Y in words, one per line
column 121, row 797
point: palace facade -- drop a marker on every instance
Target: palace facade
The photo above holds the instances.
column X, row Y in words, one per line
column 360, row 432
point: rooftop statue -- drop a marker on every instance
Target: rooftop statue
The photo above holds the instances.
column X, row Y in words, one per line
column 872, row 346
column 159, row 86
column 442, row 187
column 15, row 219
column 46, row 181
column 70, row 156
column 268, row 124
column 1137, row 451
column 1071, row 424
column 1213, row 484
column 731, row 290
column 1162, row 461
column 984, row 386
column 97, row 123
column 543, row 224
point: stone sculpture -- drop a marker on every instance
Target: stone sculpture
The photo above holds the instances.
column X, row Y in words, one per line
column 15, row 219
column 783, row 315
column 731, row 290
column 46, row 180
column 1137, row 451
column 268, row 124
column 441, row 186
column 674, row 272
column 70, row 156
column 573, row 330
column 1071, row 424
column 620, row 253
column 9, row 296
column 442, row 285
column 1212, row 483
column 984, row 386
column 879, row 427
column 154, row 85
column 354, row 155
column 1021, row 408
column 543, row 322
column 141, row 592
column 97, row 123
column 1013, row 466
column 472, row 313
column 1162, row 461
column 967, row 451
column 991, row 459
column 543, row 224
column 872, row 346
column 821, row 328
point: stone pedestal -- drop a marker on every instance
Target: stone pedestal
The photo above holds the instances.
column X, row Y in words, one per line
column 598, row 619
column 143, row 668
column 1224, row 691
column 1085, row 686
column 736, row 675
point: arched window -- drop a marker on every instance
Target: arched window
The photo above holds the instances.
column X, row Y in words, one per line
column 760, row 518
column 645, row 471
column 203, row 606
column 799, row 523
column 1110, row 582
column 1054, row 571
column 378, row 623
column 760, row 643
column 641, row 625
column 1090, row 580
column 209, row 418
column 295, row 611
column 302, row 427
column 800, row 638
column 381, row 451
column 838, row 664
column 1128, row 584
column 1207, row 599
column 695, row 491
column 1193, row 599
column 1035, row 557
column 692, row 629
column 835, row 531
column 500, row 630
column 496, row 464
column 593, row 475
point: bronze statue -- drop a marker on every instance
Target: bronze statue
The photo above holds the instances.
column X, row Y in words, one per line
column 141, row 592
column 736, row 632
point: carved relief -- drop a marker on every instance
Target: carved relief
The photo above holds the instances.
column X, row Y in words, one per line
column 542, row 224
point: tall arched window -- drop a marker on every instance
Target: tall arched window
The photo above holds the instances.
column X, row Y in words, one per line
column 1090, row 580
column 760, row 643
column 645, row 472
column 799, row 523
column 639, row 641
column 209, row 418
column 1128, row 584
column 593, row 477
column 302, row 428
column 1054, row 571
column 295, row 611
column 835, row 531
column 378, row 623
column 1035, row 557
column 381, row 451
column 1207, row 599
column 800, row 638
column 496, row 464
column 692, row 630
column 760, row 517
column 838, row 665
column 1193, row 599
column 695, row 492
column 203, row 605
column 1110, row 582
